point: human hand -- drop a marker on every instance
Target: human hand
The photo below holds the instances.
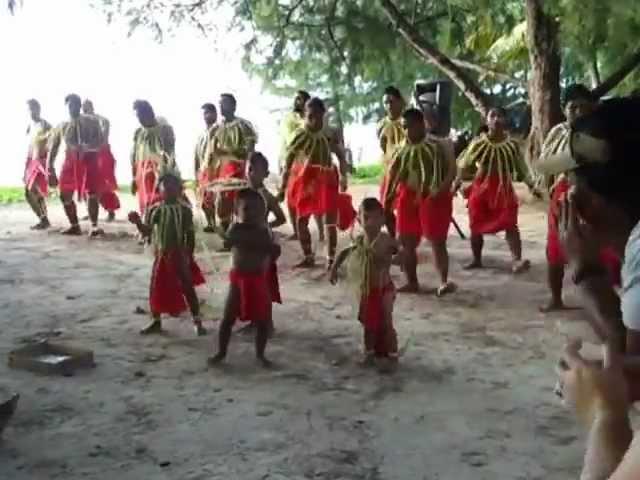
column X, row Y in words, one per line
column 134, row 188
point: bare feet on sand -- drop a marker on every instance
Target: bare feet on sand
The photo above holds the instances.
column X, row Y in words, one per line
column 41, row 225
column 199, row 329
column 216, row 360
column 307, row 262
column 520, row 266
column 445, row 288
column 266, row 363
column 409, row 288
column 473, row 265
column 96, row 232
column 154, row 327
column 555, row 306
column 73, row 230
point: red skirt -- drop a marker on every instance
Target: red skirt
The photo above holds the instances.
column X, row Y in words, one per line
column 435, row 216
column 313, row 190
column 207, row 197
column 166, row 294
column 379, row 339
column 493, row 207
column 230, row 169
column 109, row 199
column 255, row 295
column 555, row 250
column 407, row 208
column 613, row 264
column 81, row 174
column 146, row 182
column 35, row 175
column 346, row 213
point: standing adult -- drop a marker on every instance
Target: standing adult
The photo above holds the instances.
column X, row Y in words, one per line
column 493, row 205
column 80, row 173
column 311, row 181
column 36, row 179
column 601, row 209
column 390, row 134
column 109, row 198
column 235, row 139
column 205, row 166
column 153, row 150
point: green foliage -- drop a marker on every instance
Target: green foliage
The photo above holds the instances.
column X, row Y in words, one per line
column 11, row 195
column 367, row 174
column 347, row 51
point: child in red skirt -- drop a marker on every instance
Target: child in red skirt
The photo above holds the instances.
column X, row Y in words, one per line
column 250, row 295
column 371, row 254
column 169, row 224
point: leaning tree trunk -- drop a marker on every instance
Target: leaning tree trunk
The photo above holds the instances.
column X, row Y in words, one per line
column 544, row 83
column 431, row 54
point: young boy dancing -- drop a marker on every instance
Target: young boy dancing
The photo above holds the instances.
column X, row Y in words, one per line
column 257, row 171
column 252, row 252
column 174, row 275
column 371, row 255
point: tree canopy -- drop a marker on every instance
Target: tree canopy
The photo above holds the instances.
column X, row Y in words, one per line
column 349, row 50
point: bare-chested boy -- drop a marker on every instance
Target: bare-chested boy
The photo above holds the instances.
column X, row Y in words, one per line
column 257, row 171
column 175, row 273
column 372, row 253
column 249, row 297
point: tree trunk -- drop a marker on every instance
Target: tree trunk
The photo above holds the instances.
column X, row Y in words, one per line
column 544, row 83
column 431, row 54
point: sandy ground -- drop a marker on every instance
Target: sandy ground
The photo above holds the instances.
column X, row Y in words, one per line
column 472, row 398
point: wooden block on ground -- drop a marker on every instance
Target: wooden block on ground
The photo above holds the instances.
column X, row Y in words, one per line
column 51, row 358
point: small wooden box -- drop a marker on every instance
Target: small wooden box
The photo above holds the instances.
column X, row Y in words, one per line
column 51, row 358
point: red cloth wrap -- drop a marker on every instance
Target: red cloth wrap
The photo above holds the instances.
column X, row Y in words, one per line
column 207, row 197
column 313, row 190
column 81, row 174
column 435, row 216
column 555, row 250
column 379, row 339
column 346, row 213
column 274, row 283
column 109, row 199
column 35, row 174
column 255, row 295
column 556, row 254
column 407, row 207
column 493, row 206
column 230, row 169
column 146, row 182
column 613, row 264
column 166, row 294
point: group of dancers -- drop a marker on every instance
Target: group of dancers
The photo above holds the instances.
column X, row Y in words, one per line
column 421, row 178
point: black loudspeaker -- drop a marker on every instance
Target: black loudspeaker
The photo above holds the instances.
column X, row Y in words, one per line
column 436, row 96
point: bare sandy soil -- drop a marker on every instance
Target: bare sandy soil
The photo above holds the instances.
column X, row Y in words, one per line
column 472, row 398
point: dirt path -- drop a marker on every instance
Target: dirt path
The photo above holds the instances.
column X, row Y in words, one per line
column 472, row 399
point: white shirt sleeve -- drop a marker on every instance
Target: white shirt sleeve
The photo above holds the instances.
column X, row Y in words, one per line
column 630, row 301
